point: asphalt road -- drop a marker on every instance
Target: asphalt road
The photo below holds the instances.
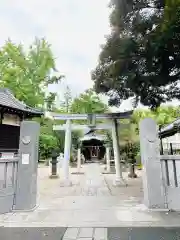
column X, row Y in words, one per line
column 32, row 233
column 120, row 233
column 143, row 233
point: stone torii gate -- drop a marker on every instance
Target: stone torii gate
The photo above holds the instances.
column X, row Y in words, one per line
column 68, row 128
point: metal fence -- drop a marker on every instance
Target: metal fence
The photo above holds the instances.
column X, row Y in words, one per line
column 170, row 148
column 170, row 165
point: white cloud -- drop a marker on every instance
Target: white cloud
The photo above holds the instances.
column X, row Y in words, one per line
column 75, row 28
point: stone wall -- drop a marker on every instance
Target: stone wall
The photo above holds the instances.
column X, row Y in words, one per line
column 161, row 173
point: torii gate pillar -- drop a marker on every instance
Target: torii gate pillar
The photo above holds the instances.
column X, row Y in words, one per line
column 118, row 181
column 67, row 154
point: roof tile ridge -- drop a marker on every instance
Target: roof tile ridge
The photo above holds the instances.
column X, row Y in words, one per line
column 14, row 99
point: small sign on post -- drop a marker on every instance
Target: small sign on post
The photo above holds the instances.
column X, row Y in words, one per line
column 25, row 158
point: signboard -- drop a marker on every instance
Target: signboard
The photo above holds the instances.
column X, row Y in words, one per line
column 25, row 159
column 11, row 119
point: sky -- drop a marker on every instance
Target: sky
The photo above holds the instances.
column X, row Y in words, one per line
column 74, row 28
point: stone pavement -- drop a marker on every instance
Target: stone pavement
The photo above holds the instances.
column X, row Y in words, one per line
column 85, row 234
column 92, row 201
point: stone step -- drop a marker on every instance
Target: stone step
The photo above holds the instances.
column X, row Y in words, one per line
column 85, row 234
column 90, row 202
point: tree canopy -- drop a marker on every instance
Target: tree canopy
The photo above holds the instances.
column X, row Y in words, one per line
column 28, row 72
column 141, row 57
column 162, row 115
column 88, row 102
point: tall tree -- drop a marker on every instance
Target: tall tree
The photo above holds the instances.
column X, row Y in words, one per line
column 141, row 58
column 88, row 102
column 28, row 73
column 162, row 115
column 67, row 101
column 50, row 101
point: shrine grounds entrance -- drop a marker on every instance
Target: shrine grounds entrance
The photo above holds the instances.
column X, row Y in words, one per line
column 160, row 176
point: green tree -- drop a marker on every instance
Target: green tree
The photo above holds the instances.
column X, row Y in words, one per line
column 67, row 101
column 140, row 114
column 129, row 145
column 166, row 115
column 50, row 101
column 162, row 115
column 141, row 57
column 88, row 102
column 46, row 144
column 28, row 73
column 49, row 139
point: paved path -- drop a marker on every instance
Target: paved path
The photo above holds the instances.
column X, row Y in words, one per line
column 85, row 234
column 92, row 201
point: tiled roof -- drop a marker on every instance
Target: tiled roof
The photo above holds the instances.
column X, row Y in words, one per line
column 7, row 99
column 170, row 129
column 92, row 136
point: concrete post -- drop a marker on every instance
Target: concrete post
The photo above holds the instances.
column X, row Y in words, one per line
column 108, row 166
column 154, row 196
column 67, row 153
column 118, row 178
column 26, row 186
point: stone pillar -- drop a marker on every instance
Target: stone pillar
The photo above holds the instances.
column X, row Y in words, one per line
column 154, row 196
column 118, row 178
column 54, row 164
column 79, row 160
column 67, row 154
column 26, row 185
column 108, row 158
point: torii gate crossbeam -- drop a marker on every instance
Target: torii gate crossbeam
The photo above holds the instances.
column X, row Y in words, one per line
column 75, row 116
column 77, row 127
